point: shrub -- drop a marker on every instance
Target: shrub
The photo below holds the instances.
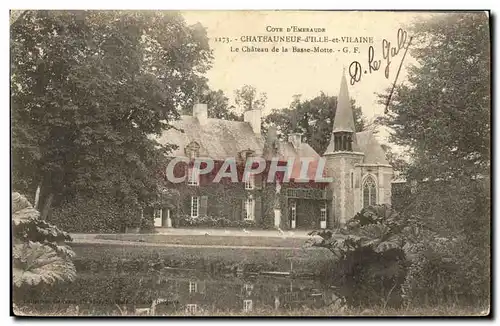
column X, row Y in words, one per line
column 371, row 262
column 95, row 215
column 447, row 271
column 147, row 225
column 213, row 222
column 389, row 259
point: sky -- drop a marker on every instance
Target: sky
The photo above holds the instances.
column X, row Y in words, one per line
column 283, row 75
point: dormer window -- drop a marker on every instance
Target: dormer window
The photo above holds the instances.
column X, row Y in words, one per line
column 250, row 182
column 193, row 176
column 245, row 154
column 192, row 150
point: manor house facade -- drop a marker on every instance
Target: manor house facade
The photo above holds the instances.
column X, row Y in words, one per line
column 355, row 161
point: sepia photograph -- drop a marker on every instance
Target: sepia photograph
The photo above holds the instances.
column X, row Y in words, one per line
column 242, row 163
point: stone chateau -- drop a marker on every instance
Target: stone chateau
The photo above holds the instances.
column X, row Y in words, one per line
column 354, row 160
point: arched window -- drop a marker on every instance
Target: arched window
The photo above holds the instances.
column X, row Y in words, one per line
column 342, row 141
column 369, row 192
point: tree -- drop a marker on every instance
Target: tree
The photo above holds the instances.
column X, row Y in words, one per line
column 313, row 118
column 396, row 160
column 88, row 89
column 218, row 105
column 247, row 98
column 442, row 114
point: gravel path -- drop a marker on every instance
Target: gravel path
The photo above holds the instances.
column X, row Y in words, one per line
column 218, row 232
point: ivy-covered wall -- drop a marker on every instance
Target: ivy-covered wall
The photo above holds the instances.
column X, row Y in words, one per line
column 226, row 199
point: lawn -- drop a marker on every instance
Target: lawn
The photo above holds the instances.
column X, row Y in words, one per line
column 310, row 260
column 210, row 240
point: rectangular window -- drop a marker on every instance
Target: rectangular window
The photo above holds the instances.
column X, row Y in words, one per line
column 322, row 214
column 248, row 287
column 191, row 308
column 250, row 182
column 193, row 176
column 249, row 208
column 195, row 206
column 293, row 216
column 193, row 287
column 247, row 305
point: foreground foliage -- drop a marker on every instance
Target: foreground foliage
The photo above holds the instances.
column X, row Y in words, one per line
column 387, row 259
column 39, row 253
column 371, row 260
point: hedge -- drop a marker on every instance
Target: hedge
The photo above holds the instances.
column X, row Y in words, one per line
column 94, row 215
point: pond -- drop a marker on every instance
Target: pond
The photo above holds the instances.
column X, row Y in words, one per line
column 181, row 292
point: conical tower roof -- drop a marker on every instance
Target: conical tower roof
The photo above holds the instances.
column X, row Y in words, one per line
column 344, row 117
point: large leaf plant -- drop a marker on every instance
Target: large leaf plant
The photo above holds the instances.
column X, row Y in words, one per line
column 39, row 252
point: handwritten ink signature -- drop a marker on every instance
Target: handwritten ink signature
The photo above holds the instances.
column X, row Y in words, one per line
column 388, row 52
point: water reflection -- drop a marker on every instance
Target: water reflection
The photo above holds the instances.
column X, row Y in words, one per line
column 195, row 292
column 176, row 291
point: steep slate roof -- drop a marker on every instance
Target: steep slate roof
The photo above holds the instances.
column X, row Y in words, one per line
column 363, row 142
column 218, row 139
column 368, row 144
column 286, row 151
column 344, row 118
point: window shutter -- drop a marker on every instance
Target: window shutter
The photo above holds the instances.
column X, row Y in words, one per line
column 203, row 206
column 243, row 209
column 258, row 208
column 186, row 207
column 201, row 287
column 258, row 181
column 330, row 222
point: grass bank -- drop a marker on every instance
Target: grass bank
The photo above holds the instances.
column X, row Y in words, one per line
column 250, row 241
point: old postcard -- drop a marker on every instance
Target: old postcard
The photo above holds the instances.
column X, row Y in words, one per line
column 250, row 163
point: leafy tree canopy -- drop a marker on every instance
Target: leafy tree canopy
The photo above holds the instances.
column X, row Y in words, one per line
column 313, row 118
column 248, row 99
column 442, row 113
column 89, row 88
column 217, row 103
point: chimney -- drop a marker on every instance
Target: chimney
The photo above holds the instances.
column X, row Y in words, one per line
column 254, row 118
column 296, row 139
column 200, row 113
